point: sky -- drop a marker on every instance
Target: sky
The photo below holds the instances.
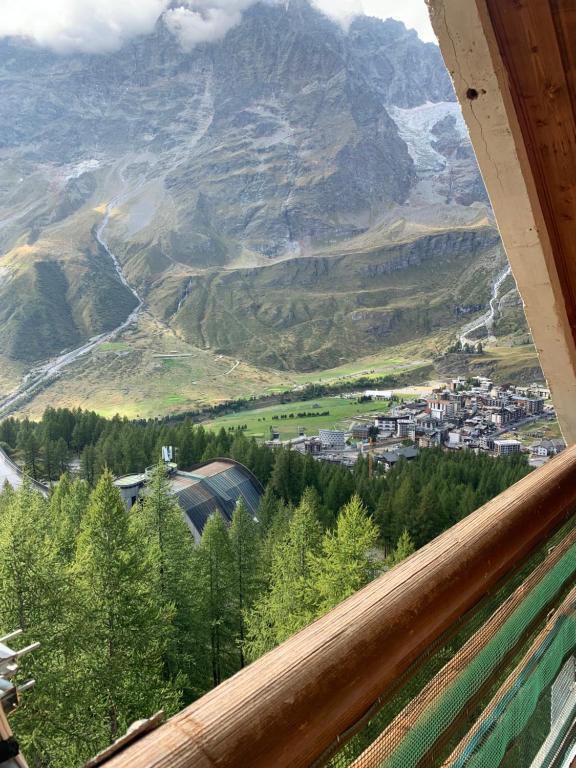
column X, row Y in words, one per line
column 99, row 26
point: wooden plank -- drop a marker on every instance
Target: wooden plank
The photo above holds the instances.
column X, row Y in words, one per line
column 134, row 732
column 287, row 708
column 512, row 74
column 532, row 53
column 564, row 15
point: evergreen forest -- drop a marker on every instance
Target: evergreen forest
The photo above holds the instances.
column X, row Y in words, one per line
column 134, row 617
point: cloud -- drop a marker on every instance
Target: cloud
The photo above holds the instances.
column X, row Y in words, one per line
column 68, row 26
column 100, row 26
column 414, row 14
column 341, row 11
column 204, row 21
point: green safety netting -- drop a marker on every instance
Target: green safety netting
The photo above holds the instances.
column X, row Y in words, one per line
column 456, row 702
column 507, row 720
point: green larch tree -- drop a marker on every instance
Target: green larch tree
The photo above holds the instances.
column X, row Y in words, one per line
column 122, row 626
column 404, row 548
column 247, row 581
column 213, row 568
column 289, row 604
column 36, row 596
column 68, row 504
column 159, row 525
column 346, row 560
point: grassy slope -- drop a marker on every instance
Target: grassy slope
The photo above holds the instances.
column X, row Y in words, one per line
column 548, row 430
column 259, row 421
column 124, row 376
column 127, row 376
column 518, row 364
column 10, row 374
column 332, row 317
column 313, row 313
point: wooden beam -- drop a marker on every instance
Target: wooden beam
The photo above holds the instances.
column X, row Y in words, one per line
column 512, row 63
column 536, row 61
column 291, row 705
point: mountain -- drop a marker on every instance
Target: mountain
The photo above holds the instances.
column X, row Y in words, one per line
column 292, row 194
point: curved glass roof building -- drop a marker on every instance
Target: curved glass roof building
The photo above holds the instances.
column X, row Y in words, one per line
column 214, row 486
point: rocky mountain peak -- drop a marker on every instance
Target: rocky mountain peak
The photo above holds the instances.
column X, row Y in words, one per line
column 286, row 139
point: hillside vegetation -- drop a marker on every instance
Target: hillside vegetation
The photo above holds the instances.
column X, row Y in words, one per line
column 202, row 611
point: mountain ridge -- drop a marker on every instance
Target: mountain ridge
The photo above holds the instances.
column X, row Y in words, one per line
column 287, row 140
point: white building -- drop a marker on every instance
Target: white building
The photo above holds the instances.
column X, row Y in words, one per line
column 386, row 423
column 547, row 447
column 504, row 447
column 484, row 383
column 405, row 428
column 379, row 394
column 453, row 439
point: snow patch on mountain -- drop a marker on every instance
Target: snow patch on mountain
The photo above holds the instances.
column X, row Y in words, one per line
column 415, row 128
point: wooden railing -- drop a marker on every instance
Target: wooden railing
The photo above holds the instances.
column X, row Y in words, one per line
column 289, row 707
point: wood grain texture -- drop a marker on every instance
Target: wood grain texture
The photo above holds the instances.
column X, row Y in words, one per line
column 518, row 57
column 287, row 708
column 538, row 48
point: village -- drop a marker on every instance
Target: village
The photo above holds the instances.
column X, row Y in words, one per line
column 464, row 414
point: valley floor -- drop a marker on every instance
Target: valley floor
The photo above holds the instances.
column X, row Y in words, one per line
column 149, row 371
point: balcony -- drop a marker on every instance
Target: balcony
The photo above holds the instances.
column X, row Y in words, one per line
column 463, row 655
column 431, row 662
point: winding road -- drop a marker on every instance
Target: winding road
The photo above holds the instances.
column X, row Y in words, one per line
column 42, row 374
column 10, row 473
column 487, row 319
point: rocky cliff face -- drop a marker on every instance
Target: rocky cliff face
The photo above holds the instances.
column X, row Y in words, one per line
column 287, row 139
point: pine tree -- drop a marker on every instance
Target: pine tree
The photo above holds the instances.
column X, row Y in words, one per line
column 404, row 548
column 289, row 604
column 426, row 522
column 61, row 456
column 186, row 458
column 269, row 541
column 68, row 504
column 403, row 503
column 244, row 543
column 25, row 596
column 30, row 447
column 89, row 465
column 339, row 490
column 285, row 480
column 9, row 432
column 240, row 448
column 123, row 622
column 49, row 461
column 260, row 460
column 160, row 527
column 346, row 561
column 267, row 510
column 36, row 597
column 214, row 585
